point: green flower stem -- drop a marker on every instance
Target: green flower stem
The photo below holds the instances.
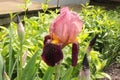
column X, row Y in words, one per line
column 19, row 62
column 21, row 49
column 57, row 71
column 20, row 30
column 17, row 66
column 10, row 50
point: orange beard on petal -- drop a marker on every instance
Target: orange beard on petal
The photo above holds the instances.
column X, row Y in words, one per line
column 63, row 42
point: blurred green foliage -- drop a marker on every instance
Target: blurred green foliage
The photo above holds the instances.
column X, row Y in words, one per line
column 96, row 20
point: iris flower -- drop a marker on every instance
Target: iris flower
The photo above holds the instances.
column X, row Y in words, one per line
column 63, row 31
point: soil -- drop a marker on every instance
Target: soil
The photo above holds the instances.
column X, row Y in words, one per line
column 114, row 71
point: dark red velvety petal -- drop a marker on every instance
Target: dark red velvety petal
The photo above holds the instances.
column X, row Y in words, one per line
column 48, row 37
column 75, row 50
column 52, row 54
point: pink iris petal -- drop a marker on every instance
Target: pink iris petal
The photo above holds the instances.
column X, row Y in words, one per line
column 66, row 26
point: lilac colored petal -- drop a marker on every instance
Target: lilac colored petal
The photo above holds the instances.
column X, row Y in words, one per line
column 52, row 54
column 75, row 50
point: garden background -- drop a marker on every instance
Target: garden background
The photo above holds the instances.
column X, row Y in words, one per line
column 18, row 53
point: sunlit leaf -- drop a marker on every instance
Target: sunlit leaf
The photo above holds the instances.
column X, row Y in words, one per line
column 68, row 74
column 30, row 68
column 48, row 74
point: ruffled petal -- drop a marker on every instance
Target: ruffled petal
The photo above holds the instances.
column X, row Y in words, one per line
column 66, row 26
column 52, row 54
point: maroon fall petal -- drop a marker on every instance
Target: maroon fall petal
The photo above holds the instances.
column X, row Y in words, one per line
column 48, row 37
column 75, row 50
column 52, row 54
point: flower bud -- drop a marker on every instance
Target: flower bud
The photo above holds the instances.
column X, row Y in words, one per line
column 20, row 29
column 85, row 72
column 92, row 42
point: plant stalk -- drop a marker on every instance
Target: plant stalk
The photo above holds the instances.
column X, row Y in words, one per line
column 19, row 62
column 10, row 50
column 18, row 67
column 21, row 39
column 57, row 71
column 21, row 49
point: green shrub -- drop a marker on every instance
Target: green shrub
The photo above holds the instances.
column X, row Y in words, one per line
column 96, row 21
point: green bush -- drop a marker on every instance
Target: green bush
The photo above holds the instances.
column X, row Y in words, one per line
column 96, row 21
